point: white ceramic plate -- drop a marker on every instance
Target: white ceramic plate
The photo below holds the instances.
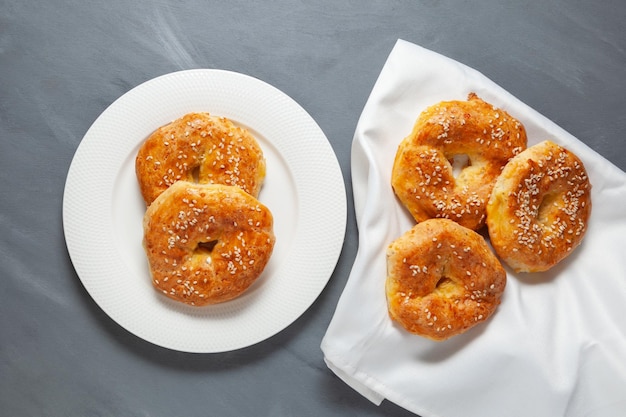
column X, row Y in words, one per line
column 103, row 211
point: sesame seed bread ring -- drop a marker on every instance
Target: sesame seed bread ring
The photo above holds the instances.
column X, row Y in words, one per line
column 538, row 211
column 202, row 148
column 206, row 243
column 442, row 279
column 423, row 177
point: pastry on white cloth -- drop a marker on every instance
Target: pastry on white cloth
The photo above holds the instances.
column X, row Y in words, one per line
column 557, row 346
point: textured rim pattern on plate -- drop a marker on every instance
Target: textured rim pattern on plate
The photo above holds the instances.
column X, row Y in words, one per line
column 102, row 263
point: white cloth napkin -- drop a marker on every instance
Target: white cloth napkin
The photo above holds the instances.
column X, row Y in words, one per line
column 556, row 346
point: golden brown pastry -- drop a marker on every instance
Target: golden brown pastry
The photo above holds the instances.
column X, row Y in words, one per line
column 538, row 210
column 423, row 177
column 202, row 148
column 206, row 243
column 442, row 279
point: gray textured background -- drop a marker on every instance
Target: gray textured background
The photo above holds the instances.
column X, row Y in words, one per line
column 62, row 62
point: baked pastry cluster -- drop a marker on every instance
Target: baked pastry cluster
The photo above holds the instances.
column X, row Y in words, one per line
column 539, row 207
column 206, row 243
column 535, row 202
column 442, row 279
column 206, row 235
column 202, row 148
column 472, row 136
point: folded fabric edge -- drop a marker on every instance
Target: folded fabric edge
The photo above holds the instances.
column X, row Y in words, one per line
column 371, row 388
column 356, row 385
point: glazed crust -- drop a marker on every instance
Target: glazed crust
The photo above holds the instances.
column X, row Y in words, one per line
column 442, row 279
column 202, row 148
column 206, row 243
column 423, row 175
column 538, row 211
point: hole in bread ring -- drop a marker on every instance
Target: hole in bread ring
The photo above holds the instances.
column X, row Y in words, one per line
column 195, row 174
column 548, row 207
column 206, row 243
column 447, row 166
column 458, row 163
column 442, row 279
column 206, row 247
column 444, row 282
column 539, row 208
column 204, row 250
